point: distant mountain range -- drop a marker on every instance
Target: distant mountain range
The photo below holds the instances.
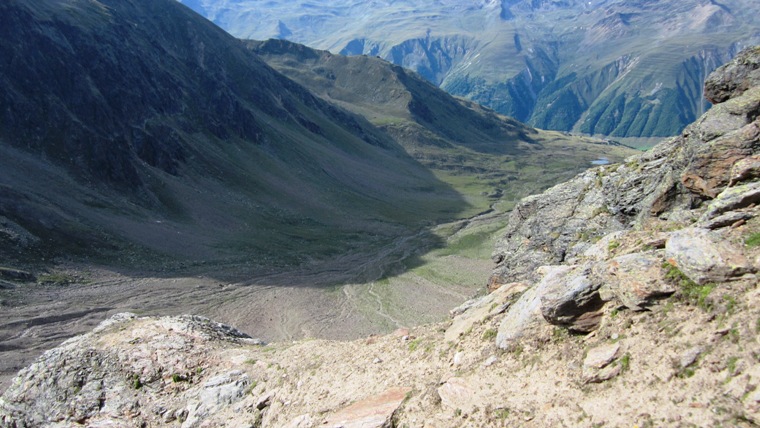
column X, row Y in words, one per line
column 622, row 68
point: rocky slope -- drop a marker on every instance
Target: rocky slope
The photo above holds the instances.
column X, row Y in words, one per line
column 608, row 67
column 655, row 323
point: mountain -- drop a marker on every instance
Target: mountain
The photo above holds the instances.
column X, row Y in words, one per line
column 466, row 145
column 644, row 311
column 608, row 67
column 140, row 126
column 153, row 163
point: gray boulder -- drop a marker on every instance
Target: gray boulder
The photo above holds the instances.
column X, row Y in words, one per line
column 571, row 299
column 734, row 78
column 636, row 279
column 704, row 257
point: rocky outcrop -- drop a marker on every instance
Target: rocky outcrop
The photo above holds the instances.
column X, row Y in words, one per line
column 734, row 78
column 101, row 376
column 615, row 233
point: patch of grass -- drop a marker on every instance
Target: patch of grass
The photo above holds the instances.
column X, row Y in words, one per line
column 625, row 362
column 136, row 383
column 753, row 240
column 730, row 303
column 731, row 365
column 691, row 291
column 501, row 414
column 733, row 335
column 56, row 279
column 176, row 378
column 613, row 245
column 414, row 344
column 686, row 372
column 490, row 334
column 559, row 334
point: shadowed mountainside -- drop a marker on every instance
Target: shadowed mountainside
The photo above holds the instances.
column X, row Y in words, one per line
column 142, row 125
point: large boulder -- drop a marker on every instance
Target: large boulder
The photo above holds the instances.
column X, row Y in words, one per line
column 704, row 256
column 734, row 78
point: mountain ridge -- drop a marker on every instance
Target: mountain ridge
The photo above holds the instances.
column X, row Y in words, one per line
column 549, row 64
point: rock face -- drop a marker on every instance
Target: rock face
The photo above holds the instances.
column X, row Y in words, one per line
column 604, row 226
column 101, row 376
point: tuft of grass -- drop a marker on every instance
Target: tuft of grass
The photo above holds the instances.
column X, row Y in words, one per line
column 731, row 365
column 625, row 362
column 414, row 344
column 56, row 279
column 613, row 245
column 136, row 383
column 753, row 240
column 501, row 413
column 490, row 334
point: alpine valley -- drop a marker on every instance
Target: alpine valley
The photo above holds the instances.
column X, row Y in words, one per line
column 151, row 162
column 630, row 69
column 389, row 254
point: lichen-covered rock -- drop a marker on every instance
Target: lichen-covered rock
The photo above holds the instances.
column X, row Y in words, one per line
column 745, row 170
column 636, row 279
column 664, row 183
column 125, row 368
column 703, row 256
column 734, row 78
column 474, row 311
column 711, row 166
column 731, row 199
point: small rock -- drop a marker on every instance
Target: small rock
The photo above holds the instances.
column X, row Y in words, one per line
column 401, row 332
column 570, row 298
column 490, row 361
column 636, row 279
column 264, row 401
column 690, row 357
column 601, row 356
column 377, row 360
column 745, row 169
column 727, row 219
column 302, row 421
column 457, row 393
column 602, row 375
column 731, row 199
column 458, row 357
column 372, row 412
column 477, row 310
